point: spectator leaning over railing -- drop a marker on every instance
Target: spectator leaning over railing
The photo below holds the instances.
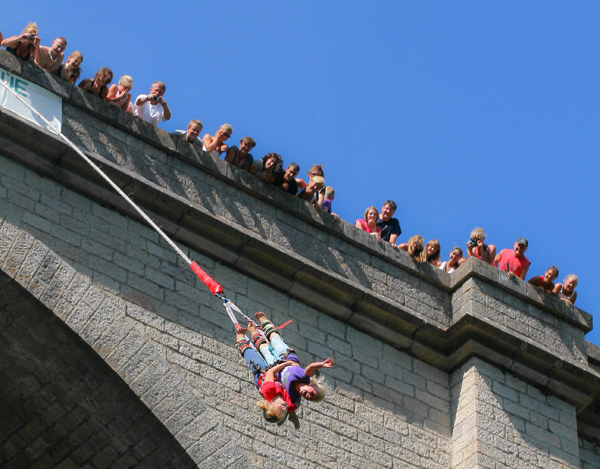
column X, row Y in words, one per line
column 433, row 251
column 513, row 260
column 477, row 248
column 566, row 291
column 215, row 145
column 454, row 262
column 50, row 58
column 546, row 281
column 241, row 157
column 191, row 134
column 99, row 84
column 315, row 170
column 24, row 44
column 311, row 192
column 369, row 222
column 390, row 227
column 152, row 107
column 329, row 196
column 286, row 181
column 71, row 70
column 120, row 96
column 415, row 248
column 269, row 168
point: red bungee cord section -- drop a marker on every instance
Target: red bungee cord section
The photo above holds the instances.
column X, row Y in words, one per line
column 206, row 279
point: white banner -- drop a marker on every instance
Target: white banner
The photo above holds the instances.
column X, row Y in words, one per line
column 46, row 103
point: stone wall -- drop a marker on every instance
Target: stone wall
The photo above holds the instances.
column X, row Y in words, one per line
column 62, row 404
column 501, row 421
column 589, row 454
column 432, row 370
column 386, row 408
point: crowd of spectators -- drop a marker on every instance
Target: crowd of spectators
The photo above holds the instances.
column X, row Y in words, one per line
column 386, row 228
column 153, row 108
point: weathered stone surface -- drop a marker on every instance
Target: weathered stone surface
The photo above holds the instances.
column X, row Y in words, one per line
column 47, row 80
column 11, row 63
column 63, row 400
column 506, row 421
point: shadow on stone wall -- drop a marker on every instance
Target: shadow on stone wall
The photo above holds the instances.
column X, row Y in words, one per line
column 218, row 197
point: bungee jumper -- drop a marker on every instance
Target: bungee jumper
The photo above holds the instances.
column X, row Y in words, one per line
column 276, row 402
column 276, row 368
column 292, row 382
column 299, row 382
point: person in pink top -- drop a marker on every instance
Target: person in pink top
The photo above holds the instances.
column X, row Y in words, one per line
column 369, row 222
column 513, row 260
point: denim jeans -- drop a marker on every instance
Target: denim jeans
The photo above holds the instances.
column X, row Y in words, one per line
column 280, row 348
column 251, row 355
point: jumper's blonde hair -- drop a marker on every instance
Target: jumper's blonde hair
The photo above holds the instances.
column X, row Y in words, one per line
column 269, row 413
column 319, row 384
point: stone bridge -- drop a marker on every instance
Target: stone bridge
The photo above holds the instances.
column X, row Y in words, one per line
column 113, row 354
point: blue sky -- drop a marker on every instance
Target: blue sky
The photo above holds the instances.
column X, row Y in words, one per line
column 465, row 113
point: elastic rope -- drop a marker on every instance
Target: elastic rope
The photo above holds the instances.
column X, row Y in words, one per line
column 227, row 305
column 230, row 307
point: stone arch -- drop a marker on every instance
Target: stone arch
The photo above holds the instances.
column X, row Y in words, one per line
column 63, row 402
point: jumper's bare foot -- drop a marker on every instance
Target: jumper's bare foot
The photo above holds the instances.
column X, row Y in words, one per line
column 260, row 316
column 240, row 333
column 252, row 328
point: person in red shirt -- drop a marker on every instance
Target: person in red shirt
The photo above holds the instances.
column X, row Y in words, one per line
column 546, row 281
column 276, row 399
column 513, row 260
column 299, row 382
